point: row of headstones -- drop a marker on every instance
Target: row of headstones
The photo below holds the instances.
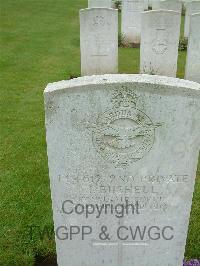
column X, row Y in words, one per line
column 190, row 8
column 131, row 13
column 159, row 36
column 131, row 27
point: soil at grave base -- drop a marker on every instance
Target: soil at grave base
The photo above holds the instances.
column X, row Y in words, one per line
column 135, row 45
column 45, row 261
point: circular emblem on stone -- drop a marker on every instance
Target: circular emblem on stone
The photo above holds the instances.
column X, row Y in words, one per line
column 159, row 45
column 124, row 134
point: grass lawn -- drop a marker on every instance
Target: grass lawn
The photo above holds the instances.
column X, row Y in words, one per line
column 40, row 44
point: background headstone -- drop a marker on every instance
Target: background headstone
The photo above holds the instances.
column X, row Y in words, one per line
column 155, row 4
column 193, row 50
column 99, row 41
column 100, row 3
column 169, row 5
column 150, row 3
column 191, row 8
column 188, row 1
column 146, row 5
column 116, row 137
column 131, row 20
column 159, row 42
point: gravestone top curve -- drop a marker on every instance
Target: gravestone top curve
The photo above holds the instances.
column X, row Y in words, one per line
column 116, row 78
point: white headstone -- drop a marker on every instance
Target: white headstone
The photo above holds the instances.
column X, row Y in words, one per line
column 159, row 42
column 191, row 8
column 188, row 1
column 99, row 41
column 146, row 5
column 170, row 5
column 131, row 20
column 193, row 51
column 117, row 139
column 99, row 3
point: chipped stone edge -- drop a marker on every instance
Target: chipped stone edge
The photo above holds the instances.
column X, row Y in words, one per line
column 181, row 84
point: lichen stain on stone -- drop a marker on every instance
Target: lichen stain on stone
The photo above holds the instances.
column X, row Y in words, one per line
column 51, row 109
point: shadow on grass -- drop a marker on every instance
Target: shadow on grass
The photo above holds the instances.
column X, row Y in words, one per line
column 41, row 260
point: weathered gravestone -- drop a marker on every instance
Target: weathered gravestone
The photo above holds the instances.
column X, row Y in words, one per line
column 131, row 20
column 169, row 5
column 99, row 41
column 100, row 3
column 193, row 51
column 159, row 42
column 122, row 141
column 191, row 8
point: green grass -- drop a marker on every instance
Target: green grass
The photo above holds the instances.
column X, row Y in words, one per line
column 40, row 44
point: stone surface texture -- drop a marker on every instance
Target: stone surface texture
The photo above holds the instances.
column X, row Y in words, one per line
column 100, row 3
column 155, row 4
column 169, row 5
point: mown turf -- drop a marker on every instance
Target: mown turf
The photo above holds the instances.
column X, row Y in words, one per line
column 40, row 44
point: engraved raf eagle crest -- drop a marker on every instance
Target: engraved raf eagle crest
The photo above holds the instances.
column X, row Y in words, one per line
column 124, row 134
column 159, row 44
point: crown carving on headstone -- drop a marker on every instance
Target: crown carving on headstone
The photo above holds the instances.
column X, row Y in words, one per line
column 124, row 97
